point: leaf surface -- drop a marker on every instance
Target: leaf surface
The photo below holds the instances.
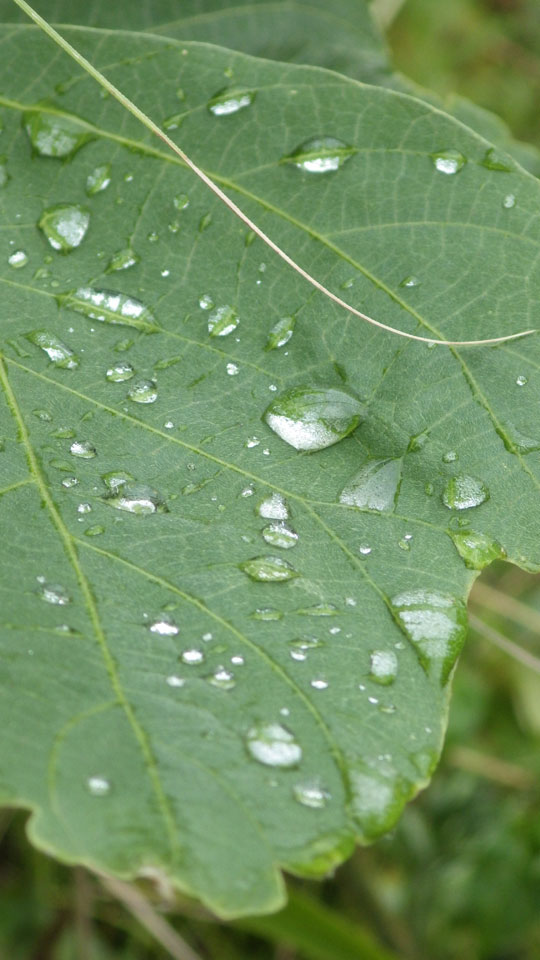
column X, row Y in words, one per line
column 174, row 702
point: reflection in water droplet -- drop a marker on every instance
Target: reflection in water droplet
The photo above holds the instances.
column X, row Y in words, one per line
column 279, row 535
column 509, row 201
column 52, row 592
column 164, row 626
column 494, row 160
column 83, row 449
column 55, row 134
column 274, row 507
column 222, row 321
column 65, row 225
column 374, row 487
column 436, row 626
column 232, row 369
column 267, row 613
column 222, row 679
column 122, row 260
column 311, row 794
column 281, row 333
column 192, row 657
column 410, row 282
column 143, row 391
column 273, row 745
column 99, row 179
column 98, row 786
column 448, row 161
column 320, row 155
column 477, row 549
column 311, row 418
column 268, row 569
column 230, row 100
column 383, row 666
column 56, row 351
column 109, row 307
column 120, row 372
column 319, row 684
column 18, row 259
column 136, row 498
column 463, row 492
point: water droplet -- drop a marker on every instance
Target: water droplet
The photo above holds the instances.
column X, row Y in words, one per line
column 521, row 381
column 463, row 492
column 164, row 626
column 98, row 786
column 274, row 507
column 383, row 666
column 311, row 418
column 109, row 307
column 83, row 449
column 374, row 487
column 222, row 321
column 311, row 794
column 192, row 657
column 448, row 161
column 120, row 371
column 222, row 679
column 56, row 351
column 181, row 201
column 94, row 531
column 410, row 282
column 450, row 457
column 273, row 745
column 515, row 441
column 477, row 549
column 509, row 201
column 319, row 610
column 267, row 614
column 230, row 100
column 65, row 226
column 281, row 333
column 173, row 122
column 84, row 508
column 378, row 797
column 436, row 625
column 18, row 259
column 99, row 179
column 232, row 369
column 494, row 160
column 55, row 134
column 252, row 442
column 136, row 498
column 279, row 535
column 143, row 391
column 116, row 479
column 320, row 155
column 319, row 684
column 300, row 646
column 268, row 570
column 53, row 593
column 122, row 260
column 174, row 681
column 69, row 482
column 206, row 302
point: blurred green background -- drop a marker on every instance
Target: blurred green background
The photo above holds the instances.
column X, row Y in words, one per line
column 460, row 876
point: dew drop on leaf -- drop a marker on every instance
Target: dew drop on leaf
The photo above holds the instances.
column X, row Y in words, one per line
column 65, row 226
column 230, row 100
column 268, row 570
column 174, row 681
column 206, row 302
column 509, row 201
column 448, row 161
column 274, row 507
column 450, row 457
column 53, row 592
column 319, row 610
column 18, row 259
column 55, row 134
column 94, row 531
column 493, row 160
column 319, row 684
column 311, row 794
column 120, row 372
column 222, row 321
column 463, row 492
column 521, row 381
column 98, row 786
column 164, row 626
column 477, row 549
column 137, row 498
column 181, row 201
column 383, row 666
column 55, row 349
column 69, row 482
column 279, row 535
column 99, row 179
column 122, row 260
column 143, row 391
column 374, row 487
column 312, row 418
column 116, row 479
column 192, row 657
column 83, row 449
column 436, row 626
column 281, row 333
column 410, row 282
column 267, row 614
column 109, row 307
column 222, row 679
column 377, row 799
column 174, row 122
column 320, row 155
column 273, row 745
column 232, row 369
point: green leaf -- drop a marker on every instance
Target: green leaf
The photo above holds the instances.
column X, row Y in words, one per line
column 164, row 712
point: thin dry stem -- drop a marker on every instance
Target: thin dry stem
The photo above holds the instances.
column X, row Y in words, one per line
column 503, row 643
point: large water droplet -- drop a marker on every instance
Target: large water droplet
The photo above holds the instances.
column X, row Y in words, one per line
column 230, row 100
column 120, row 372
column 83, row 449
column 448, row 161
column 463, row 492
column 311, row 794
column 54, row 134
column 377, row 799
column 18, row 259
column 110, row 307
column 279, row 535
column 52, row 592
column 383, row 666
column 281, row 333
column 56, row 351
column 269, row 570
column 164, row 626
column 143, row 391
column 436, row 626
column 476, row 549
column 138, row 498
column 274, row 507
column 122, row 260
column 374, row 487
column 320, row 155
column 273, row 745
column 98, row 786
column 222, row 321
column 65, row 225
column 311, row 418
column 99, row 179
column 494, row 160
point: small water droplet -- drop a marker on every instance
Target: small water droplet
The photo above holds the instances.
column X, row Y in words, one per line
column 222, row 679
column 84, row 507
column 450, row 457
column 174, row 122
column 181, row 201
column 311, row 794
column 237, row 661
column 83, row 449
column 374, row 487
column 509, row 201
column 54, row 134
column 192, row 657
column 98, row 786
column 364, row 550
column 55, row 349
column 205, row 222
column 383, row 666
column 267, row 614
column 268, row 569
column 164, row 626
column 521, row 381
column 137, row 498
column 116, row 479
column 222, row 321
column 230, row 100
column 94, row 531
column 143, row 391
column 65, row 226
column 122, row 260
column 206, row 302
column 252, row 442
column 69, row 482
column 273, row 745
column 311, row 418
column 319, row 684
column 463, row 492
column 53, row 593
column 319, row 610
column 410, row 282
column 281, row 333
column 108, row 306
column 477, row 549
column 120, row 372
column 279, row 535
column 232, row 369
column 174, row 681
column 448, row 161
column 274, row 507
column 18, row 259
column 320, row 155
column 99, row 179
